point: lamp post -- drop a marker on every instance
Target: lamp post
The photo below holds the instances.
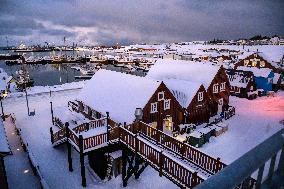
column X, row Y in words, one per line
column 27, row 99
column 2, row 96
column 138, row 114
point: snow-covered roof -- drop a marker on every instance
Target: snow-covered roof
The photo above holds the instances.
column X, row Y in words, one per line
column 118, row 93
column 258, row 72
column 202, row 73
column 182, row 90
column 4, row 146
column 276, row 78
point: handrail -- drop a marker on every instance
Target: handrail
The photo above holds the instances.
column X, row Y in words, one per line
column 188, row 152
column 237, row 172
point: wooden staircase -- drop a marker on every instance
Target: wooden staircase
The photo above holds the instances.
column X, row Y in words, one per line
column 185, row 165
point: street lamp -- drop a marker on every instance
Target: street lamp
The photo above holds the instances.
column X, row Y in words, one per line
column 138, row 114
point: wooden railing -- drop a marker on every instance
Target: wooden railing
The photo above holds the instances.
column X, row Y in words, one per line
column 73, row 106
column 182, row 149
column 90, row 125
column 58, row 122
column 59, row 135
column 94, row 141
column 165, row 164
column 154, row 146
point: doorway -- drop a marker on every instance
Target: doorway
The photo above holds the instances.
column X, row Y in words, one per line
column 220, row 105
column 168, row 125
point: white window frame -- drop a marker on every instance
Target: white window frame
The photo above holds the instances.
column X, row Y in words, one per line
column 86, row 109
column 200, row 96
column 246, row 63
column 215, row 88
column 161, row 93
column 154, row 107
column 238, row 90
column 167, row 104
column 262, row 64
column 223, row 86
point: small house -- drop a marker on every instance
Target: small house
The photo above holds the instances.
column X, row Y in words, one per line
column 120, row 94
column 193, row 97
column 242, row 83
column 263, row 77
column 213, row 78
column 261, row 60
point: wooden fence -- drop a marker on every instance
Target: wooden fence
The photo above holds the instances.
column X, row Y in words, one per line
column 182, row 149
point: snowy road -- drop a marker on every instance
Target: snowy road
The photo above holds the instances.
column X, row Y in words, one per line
column 19, row 171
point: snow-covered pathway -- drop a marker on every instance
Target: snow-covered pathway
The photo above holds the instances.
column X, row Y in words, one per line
column 18, row 168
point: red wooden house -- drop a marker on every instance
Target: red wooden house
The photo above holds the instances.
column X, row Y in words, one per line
column 259, row 60
column 193, row 98
column 120, row 94
column 213, row 78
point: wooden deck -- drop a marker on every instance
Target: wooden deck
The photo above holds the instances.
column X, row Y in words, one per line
column 179, row 161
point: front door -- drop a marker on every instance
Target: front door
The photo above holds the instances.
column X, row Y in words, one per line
column 220, row 105
column 168, row 125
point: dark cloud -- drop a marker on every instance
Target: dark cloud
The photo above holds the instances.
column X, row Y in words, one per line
column 128, row 21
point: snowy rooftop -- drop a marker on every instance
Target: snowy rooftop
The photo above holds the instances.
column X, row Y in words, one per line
column 118, row 93
column 4, row 146
column 184, row 70
column 263, row 72
column 182, row 90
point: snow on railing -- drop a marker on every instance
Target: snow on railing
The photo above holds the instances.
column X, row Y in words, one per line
column 182, row 149
column 164, row 163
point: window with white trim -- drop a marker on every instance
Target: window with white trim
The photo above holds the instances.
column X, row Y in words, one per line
column 215, row 88
column 154, row 107
column 223, row 86
column 246, row 62
column 161, row 96
column 200, row 96
column 86, row 109
column 167, row 104
column 262, row 64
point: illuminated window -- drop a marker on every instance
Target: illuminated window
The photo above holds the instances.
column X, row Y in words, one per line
column 167, row 104
column 262, row 64
column 215, row 88
column 200, row 96
column 253, row 63
column 223, row 86
column 154, row 107
column 168, row 124
column 161, row 96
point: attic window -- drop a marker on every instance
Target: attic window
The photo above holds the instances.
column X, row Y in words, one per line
column 161, row 96
column 200, row 96
column 215, row 88
column 154, row 107
column 86, row 109
column 167, row 104
column 223, row 86
column 262, row 64
column 246, row 62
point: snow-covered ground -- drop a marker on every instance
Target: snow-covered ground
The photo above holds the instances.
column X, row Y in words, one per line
column 254, row 121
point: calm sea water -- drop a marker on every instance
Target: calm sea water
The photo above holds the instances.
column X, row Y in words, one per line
column 45, row 74
column 53, row 74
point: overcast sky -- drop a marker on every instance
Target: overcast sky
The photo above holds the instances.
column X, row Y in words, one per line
column 136, row 21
